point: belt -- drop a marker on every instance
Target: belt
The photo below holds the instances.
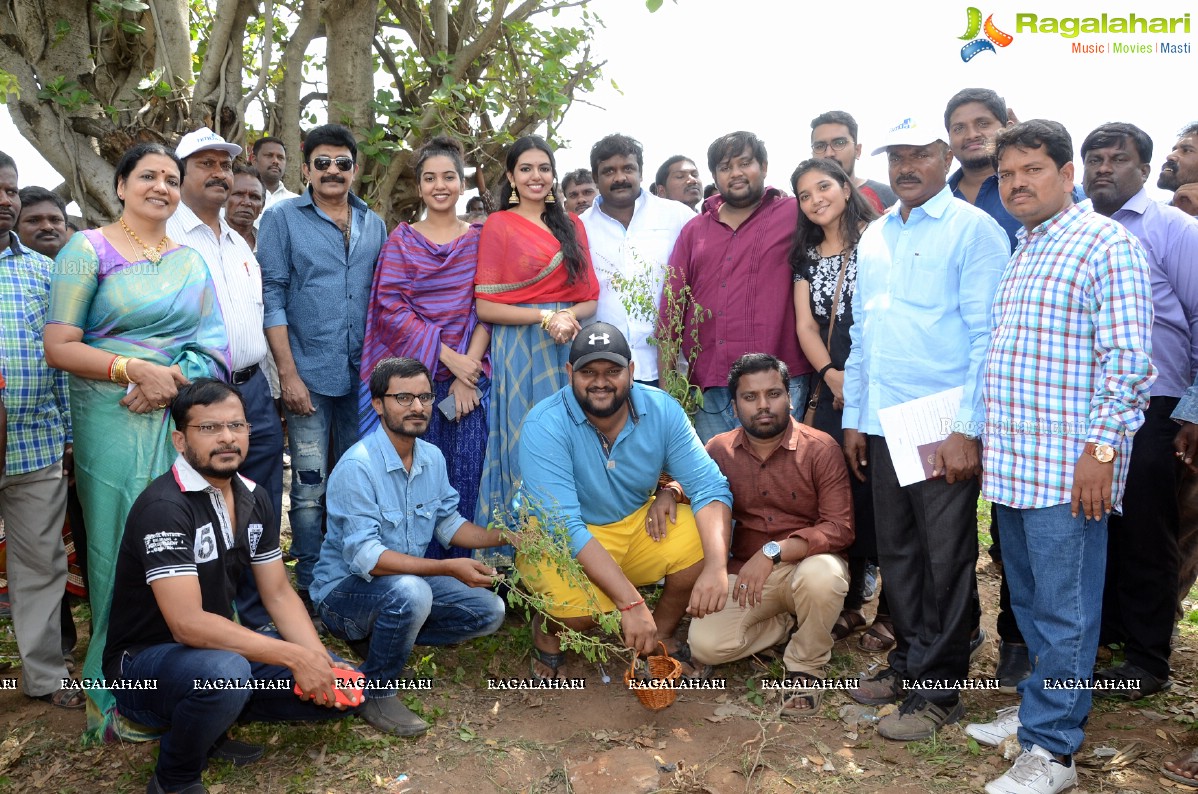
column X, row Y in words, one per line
column 242, row 376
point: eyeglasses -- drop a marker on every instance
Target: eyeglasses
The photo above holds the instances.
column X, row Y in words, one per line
column 404, row 398
column 214, row 428
column 215, row 165
column 343, row 163
column 837, row 144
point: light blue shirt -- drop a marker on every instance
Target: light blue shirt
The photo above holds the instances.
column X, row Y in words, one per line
column 375, row 505
column 1187, row 407
column 921, row 310
column 639, row 255
column 318, row 289
column 567, row 470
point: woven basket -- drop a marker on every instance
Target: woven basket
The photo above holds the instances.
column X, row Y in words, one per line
column 662, row 668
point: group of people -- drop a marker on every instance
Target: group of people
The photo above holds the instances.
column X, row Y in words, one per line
column 435, row 382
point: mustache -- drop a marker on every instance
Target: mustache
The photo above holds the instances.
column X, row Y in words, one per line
column 218, row 182
column 1169, row 167
column 338, row 178
column 620, row 185
column 234, row 449
column 908, row 178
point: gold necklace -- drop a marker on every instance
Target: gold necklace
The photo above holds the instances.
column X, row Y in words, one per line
column 153, row 255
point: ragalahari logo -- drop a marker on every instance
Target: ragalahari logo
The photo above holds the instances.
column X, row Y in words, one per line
column 986, row 43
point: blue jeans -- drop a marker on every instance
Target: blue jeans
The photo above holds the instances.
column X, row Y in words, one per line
column 1055, row 564
column 400, row 611
column 718, row 414
column 317, row 443
column 196, row 717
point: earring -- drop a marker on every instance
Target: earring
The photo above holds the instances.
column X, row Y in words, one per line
column 552, row 197
column 513, row 199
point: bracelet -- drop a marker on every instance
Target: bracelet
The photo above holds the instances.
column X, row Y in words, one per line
column 820, row 375
column 633, row 605
column 568, row 310
column 117, row 371
column 546, row 317
column 675, row 490
column 112, row 366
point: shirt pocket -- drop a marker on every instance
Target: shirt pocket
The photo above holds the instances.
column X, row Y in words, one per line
column 923, row 281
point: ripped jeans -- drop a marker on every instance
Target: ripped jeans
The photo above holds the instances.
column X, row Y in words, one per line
column 317, row 443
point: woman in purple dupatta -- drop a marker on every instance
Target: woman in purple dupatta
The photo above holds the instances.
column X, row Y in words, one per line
column 422, row 307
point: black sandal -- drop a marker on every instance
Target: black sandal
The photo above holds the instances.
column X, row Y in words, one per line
column 64, row 698
column 553, row 661
column 698, row 672
column 1128, row 682
column 849, row 622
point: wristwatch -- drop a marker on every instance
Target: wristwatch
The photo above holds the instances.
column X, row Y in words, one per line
column 1103, row 453
column 773, row 551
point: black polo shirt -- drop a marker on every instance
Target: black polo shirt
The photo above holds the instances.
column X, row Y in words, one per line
column 179, row 526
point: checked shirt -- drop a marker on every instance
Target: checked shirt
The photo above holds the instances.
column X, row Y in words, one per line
column 1069, row 360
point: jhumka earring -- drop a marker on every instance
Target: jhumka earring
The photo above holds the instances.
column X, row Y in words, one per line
column 513, row 199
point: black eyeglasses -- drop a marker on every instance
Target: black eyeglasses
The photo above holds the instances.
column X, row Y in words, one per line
column 343, row 163
column 837, row 144
column 214, row 428
column 405, row 398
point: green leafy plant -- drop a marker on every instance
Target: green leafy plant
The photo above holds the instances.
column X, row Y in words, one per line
column 683, row 315
column 544, row 544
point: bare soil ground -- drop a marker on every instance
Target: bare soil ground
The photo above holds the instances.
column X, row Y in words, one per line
column 601, row 739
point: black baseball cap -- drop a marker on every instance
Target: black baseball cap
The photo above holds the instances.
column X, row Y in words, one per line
column 599, row 342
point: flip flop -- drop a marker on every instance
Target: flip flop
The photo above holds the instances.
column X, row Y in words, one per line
column 849, row 622
column 64, row 698
column 879, row 638
column 553, row 661
column 698, row 671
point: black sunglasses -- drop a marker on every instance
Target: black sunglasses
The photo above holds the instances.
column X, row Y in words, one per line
column 322, row 163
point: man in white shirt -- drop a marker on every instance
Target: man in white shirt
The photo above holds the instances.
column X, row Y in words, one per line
column 270, row 158
column 631, row 234
column 207, row 161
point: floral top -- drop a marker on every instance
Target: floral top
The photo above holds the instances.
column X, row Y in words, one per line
column 821, row 274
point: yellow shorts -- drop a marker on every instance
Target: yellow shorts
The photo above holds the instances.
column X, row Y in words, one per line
column 642, row 559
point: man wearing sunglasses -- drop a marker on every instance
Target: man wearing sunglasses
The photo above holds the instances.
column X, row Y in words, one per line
column 388, row 497
column 318, row 253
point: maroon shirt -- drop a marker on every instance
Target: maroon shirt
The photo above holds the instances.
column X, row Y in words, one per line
column 744, row 278
column 801, row 490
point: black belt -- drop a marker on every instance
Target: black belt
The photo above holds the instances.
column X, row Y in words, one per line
column 243, row 375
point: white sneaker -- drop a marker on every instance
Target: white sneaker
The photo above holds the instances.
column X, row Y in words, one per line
column 1035, row 772
column 1006, row 723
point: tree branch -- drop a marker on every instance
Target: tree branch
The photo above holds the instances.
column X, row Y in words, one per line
column 268, row 39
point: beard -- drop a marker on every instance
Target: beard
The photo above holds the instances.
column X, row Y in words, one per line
column 220, row 471
column 766, row 431
column 754, row 194
column 619, row 397
column 399, row 425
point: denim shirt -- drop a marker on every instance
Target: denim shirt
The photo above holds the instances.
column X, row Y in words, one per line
column 312, row 286
column 376, row 505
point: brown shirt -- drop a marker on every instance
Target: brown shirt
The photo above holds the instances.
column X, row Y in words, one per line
column 800, row 490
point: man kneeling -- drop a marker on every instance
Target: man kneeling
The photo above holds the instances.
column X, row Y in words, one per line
column 188, row 539
column 387, row 497
column 793, row 510
column 590, row 457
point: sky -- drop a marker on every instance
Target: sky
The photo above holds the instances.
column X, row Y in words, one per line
column 697, row 69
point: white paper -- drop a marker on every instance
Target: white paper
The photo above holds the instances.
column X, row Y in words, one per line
column 914, row 424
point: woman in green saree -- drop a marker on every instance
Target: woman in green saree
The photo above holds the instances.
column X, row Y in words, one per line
column 132, row 317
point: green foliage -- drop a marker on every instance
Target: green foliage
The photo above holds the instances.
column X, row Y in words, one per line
column 639, row 296
column 108, row 12
column 544, row 543
column 64, row 92
column 9, row 87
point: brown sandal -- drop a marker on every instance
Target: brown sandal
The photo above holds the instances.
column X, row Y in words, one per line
column 64, row 698
column 880, row 637
column 849, row 622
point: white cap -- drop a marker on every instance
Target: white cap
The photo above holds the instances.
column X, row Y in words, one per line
column 909, row 132
column 201, row 139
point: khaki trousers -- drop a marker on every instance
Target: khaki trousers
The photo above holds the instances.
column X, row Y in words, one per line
column 809, row 594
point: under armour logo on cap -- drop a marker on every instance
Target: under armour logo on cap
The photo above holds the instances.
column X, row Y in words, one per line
column 600, row 342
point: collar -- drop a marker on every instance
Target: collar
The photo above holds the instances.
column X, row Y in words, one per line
column 954, row 180
column 14, row 244
column 638, row 205
column 354, row 202
column 280, row 189
column 191, row 481
column 1057, row 224
column 790, row 441
column 391, row 460
column 190, row 221
column 1137, row 203
column 935, row 207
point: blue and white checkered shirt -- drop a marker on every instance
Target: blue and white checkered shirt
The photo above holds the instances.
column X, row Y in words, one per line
column 39, row 414
column 1069, row 359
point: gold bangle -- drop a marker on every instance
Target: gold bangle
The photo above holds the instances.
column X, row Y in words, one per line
column 546, row 317
column 570, row 311
column 117, row 371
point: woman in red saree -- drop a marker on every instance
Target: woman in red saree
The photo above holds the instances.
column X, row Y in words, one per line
column 534, row 285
